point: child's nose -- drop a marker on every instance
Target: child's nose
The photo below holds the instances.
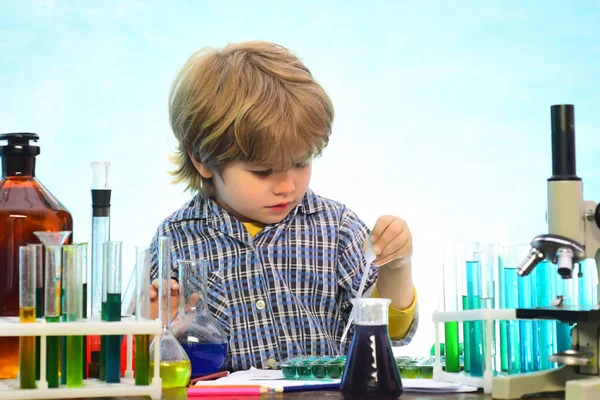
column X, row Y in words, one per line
column 284, row 183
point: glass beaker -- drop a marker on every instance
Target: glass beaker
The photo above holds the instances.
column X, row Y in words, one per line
column 371, row 369
column 175, row 367
column 200, row 334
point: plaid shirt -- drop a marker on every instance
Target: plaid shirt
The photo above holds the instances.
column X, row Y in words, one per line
column 283, row 293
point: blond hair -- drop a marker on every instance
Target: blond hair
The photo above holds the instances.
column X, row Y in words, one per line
column 251, row 101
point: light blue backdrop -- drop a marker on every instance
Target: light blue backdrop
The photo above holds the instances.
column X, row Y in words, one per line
column 442, row 108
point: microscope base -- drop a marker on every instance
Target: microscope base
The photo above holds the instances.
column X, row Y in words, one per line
column 576, row 387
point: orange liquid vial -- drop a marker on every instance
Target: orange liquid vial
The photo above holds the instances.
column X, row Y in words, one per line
column 26, row 206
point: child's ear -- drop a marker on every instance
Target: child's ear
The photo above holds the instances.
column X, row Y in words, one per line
column 202, row 169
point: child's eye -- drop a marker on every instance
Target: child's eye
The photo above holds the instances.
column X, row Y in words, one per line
column 263, row 174
column 302, row 165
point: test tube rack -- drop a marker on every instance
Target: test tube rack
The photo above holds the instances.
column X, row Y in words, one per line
column 488, row 316
column 564, row 378
column 10, row 326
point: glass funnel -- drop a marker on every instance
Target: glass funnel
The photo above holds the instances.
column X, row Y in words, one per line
column 199, row 333
column 52, row 242
column 175, row 367
column 371, row 370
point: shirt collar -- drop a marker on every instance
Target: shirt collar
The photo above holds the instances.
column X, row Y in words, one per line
column 215, row 216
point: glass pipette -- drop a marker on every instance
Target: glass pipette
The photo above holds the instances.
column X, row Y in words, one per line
column 370, row 256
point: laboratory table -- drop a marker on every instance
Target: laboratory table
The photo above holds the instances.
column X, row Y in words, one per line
column 335, row 395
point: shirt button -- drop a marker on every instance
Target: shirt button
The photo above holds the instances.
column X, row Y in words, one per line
column 271, row 362
column 260, row 304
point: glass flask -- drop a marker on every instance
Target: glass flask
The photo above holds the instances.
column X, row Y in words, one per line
column 371, row 370
column 25, row 206
column 175, row 367
column 198, row 332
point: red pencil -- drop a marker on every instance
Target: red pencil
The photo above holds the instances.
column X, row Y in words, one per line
column 210, row 377
column 239, row 391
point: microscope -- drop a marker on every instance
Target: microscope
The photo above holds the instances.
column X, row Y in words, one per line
column 573, row 235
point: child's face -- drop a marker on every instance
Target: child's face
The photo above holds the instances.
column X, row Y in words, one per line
column 261, row 193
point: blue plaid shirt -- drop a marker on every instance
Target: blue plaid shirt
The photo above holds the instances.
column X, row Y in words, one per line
column 284, row 292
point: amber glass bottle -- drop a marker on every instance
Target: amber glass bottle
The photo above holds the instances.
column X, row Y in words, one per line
column 25, row 206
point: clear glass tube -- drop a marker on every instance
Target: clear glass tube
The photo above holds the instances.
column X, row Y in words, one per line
column 38, row 255
column 52, row 242
column 83, row 254
column 27, row 275
column 72, row 272
column 142, row 312
column 113, row 310
column 101, row 195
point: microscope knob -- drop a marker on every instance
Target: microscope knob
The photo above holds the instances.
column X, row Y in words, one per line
column 597, row 215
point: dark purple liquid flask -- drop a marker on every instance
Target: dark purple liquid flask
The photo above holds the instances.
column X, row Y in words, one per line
column 371, row 370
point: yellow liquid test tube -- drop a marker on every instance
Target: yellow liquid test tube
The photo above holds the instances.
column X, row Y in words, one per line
column 73, row 312
column 27, row 273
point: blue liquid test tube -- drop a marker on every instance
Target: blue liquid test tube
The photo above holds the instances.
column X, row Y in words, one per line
column 546, row 329
column 513, row 351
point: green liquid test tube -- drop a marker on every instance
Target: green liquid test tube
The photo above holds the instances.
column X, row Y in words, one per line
column 142, row 312
column 52, row 242
column 72, row 275
column 450, row 303
column 39, row 298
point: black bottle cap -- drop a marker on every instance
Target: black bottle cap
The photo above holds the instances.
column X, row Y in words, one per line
column 18, row 144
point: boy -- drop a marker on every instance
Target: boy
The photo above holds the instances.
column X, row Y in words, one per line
column 283, row 261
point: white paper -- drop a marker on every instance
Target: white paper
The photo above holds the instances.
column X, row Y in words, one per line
column 274, row 379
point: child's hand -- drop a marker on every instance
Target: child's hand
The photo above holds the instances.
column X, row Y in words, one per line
column 154, row 299
column 392, row 241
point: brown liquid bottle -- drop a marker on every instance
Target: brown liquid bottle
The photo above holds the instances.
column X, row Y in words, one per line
column 25, row 206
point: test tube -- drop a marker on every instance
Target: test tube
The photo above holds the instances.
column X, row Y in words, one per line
column 113, row 311
column 510, row 262
column 39, row 297
column 142, row 312
column 102, row 368
column 546, row 332
column 502, row 347
column 474, row 292
column 526, row 333
column 450, row 303
column 83, row 260
column 52, row 242
column 101, row 195
column 27, row 273
column 72, row 273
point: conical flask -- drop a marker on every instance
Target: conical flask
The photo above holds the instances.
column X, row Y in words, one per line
column 25, row 206
column 199, row 333
column 371, row 370
column 175, row 367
